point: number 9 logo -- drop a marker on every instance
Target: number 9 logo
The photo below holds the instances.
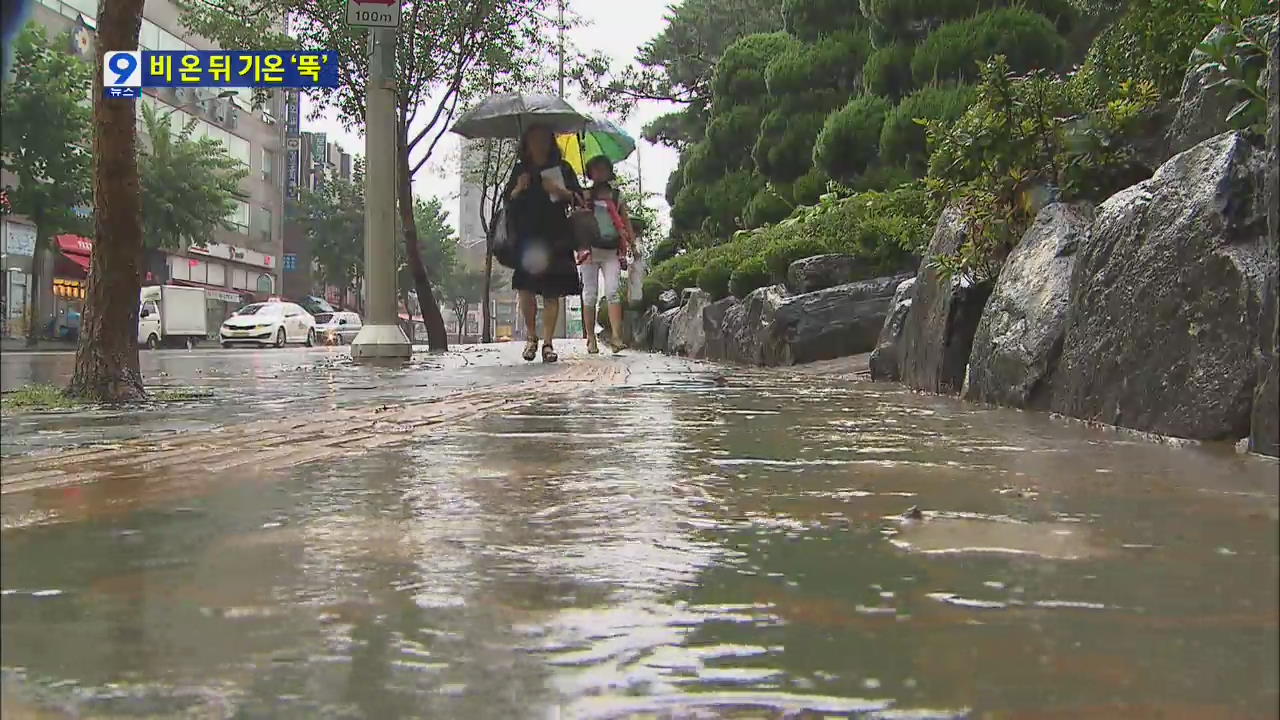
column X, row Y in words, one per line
column 121, row 68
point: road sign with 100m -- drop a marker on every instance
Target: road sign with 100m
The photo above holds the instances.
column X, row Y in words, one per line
column 373, row 13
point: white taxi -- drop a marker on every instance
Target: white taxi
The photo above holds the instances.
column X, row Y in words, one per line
column 269, row 323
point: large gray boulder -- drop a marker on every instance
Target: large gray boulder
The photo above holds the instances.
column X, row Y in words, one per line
column 716, row 342
column 688, row 337
column 746, row 324
column 1166, row 297
column 770, row 327
column 668, row 300
column 943, row 319
column 836, row 322
column 642, row 329
column 662, row 330
column 1020, row 334
column 1265, row 424
column 821, row 272
column 886, row 360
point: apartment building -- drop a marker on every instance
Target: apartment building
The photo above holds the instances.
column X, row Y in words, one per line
column 311, row 161
column 238, row 264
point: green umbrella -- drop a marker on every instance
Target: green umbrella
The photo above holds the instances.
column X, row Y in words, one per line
column 600, row 137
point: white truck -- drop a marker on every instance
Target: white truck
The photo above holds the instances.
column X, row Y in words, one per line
column 171, row 315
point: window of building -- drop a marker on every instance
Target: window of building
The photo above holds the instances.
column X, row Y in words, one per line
column 240, row 279
column 217, row 274
column 265, row 229
column 239, row 217
column 268, row 164
column 290, row 261
column 265, row 283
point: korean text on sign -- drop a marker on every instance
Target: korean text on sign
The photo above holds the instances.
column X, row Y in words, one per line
column 125, row 72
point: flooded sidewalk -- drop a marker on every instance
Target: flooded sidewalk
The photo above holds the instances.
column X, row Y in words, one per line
column 640, row 537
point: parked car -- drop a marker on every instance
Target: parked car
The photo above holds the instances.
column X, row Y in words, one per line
column 171, row 315
column 269, row 323
column 338, row 328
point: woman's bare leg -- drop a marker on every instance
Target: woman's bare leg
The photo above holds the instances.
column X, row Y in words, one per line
column 550, row 314
column 529, row 311
column 615, row 323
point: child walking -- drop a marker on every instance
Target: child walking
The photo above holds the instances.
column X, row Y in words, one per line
column 617, row 240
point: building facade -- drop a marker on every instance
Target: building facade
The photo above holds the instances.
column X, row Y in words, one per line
column 236, row 265
column 311, row 161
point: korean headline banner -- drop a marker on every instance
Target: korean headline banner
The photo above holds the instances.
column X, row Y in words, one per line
column 126, row 72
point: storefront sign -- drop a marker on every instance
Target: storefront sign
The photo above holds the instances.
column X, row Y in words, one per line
column 236, row 254
column 69, row 289
column 19, row 239
column 292, row 134
column 223, row 295
column 319, row 147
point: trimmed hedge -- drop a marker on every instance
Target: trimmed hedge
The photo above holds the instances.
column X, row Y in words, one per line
column 887, row 71
column 714, row 278
column 953, row 52
column 739, row 75
column 850, row 139
column 766, row 208
column 902, row 139
column 748, row 277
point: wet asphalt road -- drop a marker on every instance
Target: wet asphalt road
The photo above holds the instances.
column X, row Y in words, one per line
column 690, row 542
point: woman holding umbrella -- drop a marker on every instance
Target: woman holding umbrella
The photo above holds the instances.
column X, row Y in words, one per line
column 538, row 196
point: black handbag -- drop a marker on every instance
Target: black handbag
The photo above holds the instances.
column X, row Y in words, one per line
column 504, row 240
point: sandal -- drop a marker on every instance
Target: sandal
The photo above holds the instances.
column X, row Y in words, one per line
column 530, row 350
column 548, row 353
column 617, row 346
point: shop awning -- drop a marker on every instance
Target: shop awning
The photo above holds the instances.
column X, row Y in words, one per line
column 74, row 245
column 81, row 260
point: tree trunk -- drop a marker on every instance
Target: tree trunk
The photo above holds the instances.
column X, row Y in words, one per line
column 107, row 357
column 437, row 334
column 486, row 302
column 35, row 323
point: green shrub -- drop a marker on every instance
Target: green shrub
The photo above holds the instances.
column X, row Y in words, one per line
column 664, row 250
column 714, row 278
column 731, row 131
column 832, row 63
column 727, row 199
column 750, row 275
column 781, row 252
column 850, row 139
column 911, row 18
column 690, row 207
column 1151, row 41
column 902, row 139
column 887, row 72
column 882, row 177
column 954, row 51
column 809, row 187
column 686, row 278
column 675, row 181
column 1010, row 153
column 702, row 163
column 766, row 208
column 783, row 151
column 810, row 19
column 652, row 289
column 739, row 75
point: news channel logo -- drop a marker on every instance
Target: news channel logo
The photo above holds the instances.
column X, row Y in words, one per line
column 125, row 73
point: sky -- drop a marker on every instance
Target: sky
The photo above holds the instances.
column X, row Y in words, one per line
column 617, row 29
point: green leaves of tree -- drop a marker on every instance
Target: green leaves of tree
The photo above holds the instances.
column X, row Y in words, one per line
column 189, row 185
column 45, row 133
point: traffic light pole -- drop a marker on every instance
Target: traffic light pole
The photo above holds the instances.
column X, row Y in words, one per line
column 381, row 337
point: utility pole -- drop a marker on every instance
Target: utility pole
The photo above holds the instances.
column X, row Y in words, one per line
column 381, row 338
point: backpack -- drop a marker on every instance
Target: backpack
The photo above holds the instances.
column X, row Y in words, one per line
column 586, row 226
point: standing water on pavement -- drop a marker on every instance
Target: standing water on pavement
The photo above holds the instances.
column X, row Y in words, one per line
column 675, row 547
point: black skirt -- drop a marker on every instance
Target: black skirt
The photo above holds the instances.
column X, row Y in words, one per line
column 546, row 267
